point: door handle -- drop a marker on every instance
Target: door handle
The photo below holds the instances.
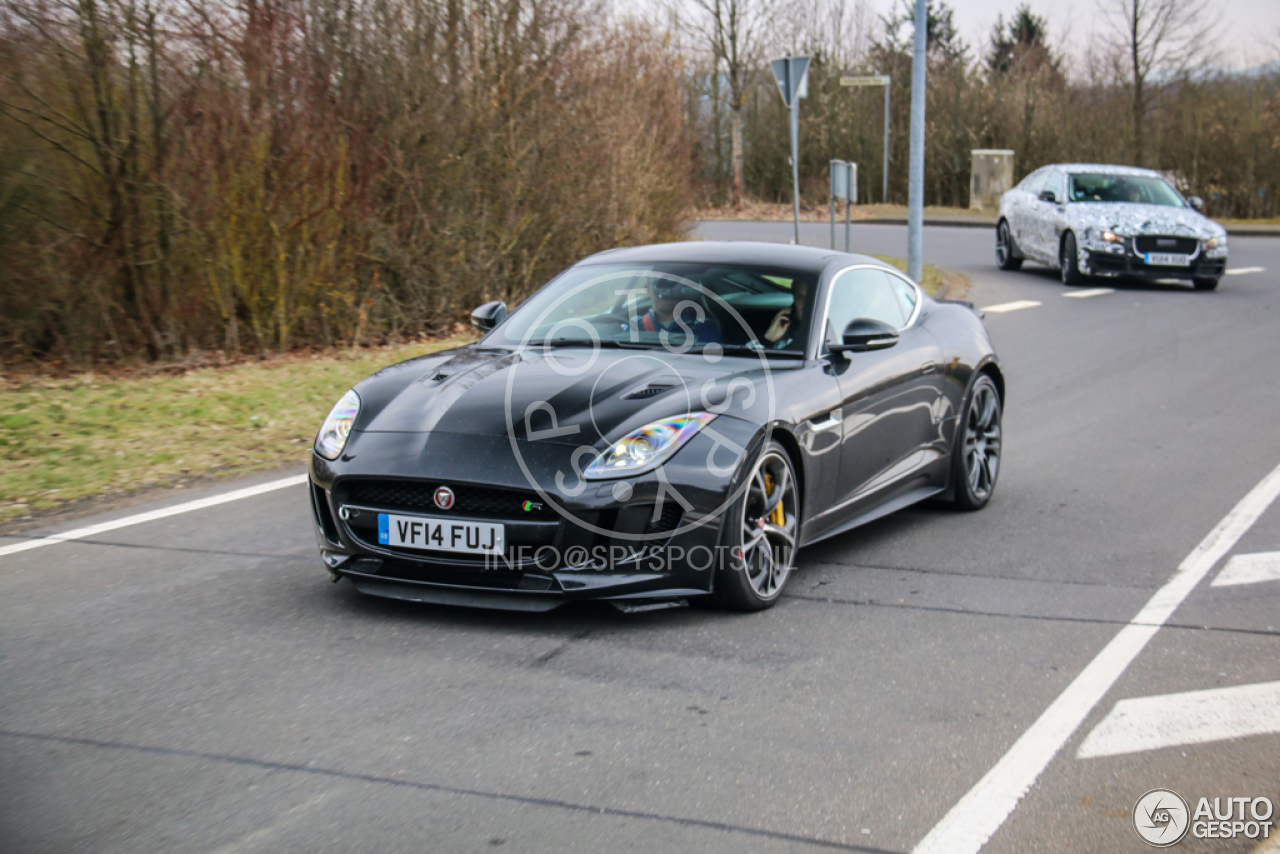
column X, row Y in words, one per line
column 832, row 420
column 928, row 368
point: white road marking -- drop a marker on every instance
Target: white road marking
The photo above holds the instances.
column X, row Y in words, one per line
column 1240, row 271
column 290, row 818
column 1089, row 292
column 151, row 516
column 1001, row 308
column 1194, row 717
column 984, row 808
column 1249, row 569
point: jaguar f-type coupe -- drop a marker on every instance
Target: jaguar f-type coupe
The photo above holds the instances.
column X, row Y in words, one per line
column 658, row 425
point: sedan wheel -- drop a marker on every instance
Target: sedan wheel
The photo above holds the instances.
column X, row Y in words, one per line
column 976, row 456
column 761, row 533
column 1005, row 259
column 1069, row 260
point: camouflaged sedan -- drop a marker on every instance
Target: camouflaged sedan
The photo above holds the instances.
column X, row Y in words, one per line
column 1111, row 221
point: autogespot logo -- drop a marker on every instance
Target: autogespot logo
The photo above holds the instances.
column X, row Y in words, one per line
column 716, row 392
column 1161, row 818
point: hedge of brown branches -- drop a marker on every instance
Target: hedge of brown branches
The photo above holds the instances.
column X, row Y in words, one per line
column 274, row 173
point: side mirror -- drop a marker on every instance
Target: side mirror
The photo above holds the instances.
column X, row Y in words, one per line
column 1049, row 196
column 865, row 334
column 489, row 315
column 1196, row 202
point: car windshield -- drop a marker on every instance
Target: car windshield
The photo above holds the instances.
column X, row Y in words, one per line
column 684, row 306
column 1135, row 189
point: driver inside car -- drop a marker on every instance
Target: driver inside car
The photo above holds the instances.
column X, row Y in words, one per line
column 787, row 323
column 666, row 298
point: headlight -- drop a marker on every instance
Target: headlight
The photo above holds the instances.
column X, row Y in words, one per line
column 1109, row 236
column 1215, row 242
column 646, row 448
column 333, row 434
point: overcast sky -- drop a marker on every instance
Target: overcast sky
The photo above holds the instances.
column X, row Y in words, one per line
column 1250, row 28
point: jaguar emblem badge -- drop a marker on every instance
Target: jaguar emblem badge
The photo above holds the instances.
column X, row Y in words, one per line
column 444, row 498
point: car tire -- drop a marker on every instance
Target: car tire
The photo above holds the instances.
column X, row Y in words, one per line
column 975, row 455
column 1205, row 284
column 1006, row 257
column 1069, row 260
column 758, row 553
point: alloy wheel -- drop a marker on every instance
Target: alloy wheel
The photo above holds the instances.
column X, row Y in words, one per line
column 982, row 442
column 770, row 517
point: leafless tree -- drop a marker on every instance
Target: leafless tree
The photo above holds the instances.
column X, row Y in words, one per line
column 1156, row 39
column 735, row 33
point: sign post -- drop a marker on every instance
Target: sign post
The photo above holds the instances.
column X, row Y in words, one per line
column 792, row 74
column 877, row 80
column 844, row 185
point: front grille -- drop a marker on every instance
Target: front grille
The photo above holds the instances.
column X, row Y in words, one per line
column 1157, row 243
column 480, row 501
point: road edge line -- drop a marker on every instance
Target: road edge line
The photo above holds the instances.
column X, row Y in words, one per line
column 152, row 515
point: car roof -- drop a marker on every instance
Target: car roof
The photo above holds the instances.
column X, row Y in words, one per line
column 1104, row 169
column 807, row 259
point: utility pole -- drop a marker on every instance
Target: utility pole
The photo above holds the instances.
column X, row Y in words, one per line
column 792, row 74
column 915, row 190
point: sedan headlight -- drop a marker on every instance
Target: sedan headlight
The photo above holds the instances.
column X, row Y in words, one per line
column 333, row 434
column 1109, row 236
column 1215, row 242
column 647, row 447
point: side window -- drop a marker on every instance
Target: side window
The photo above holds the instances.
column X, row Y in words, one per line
column 865, row 292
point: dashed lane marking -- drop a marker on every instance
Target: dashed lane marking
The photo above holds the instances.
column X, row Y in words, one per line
column 1089, row 292
column 1240, row 271
column 151, row 516
column 1249, row 569
column 1194, row 717
column 1001, row 308
column 984, row 808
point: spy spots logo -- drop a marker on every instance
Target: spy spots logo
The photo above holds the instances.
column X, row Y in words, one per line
column 1161, row 818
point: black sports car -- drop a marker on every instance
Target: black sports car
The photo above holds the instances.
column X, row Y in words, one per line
column 658, row 424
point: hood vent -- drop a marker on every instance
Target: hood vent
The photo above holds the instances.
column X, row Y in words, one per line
column 650, row 390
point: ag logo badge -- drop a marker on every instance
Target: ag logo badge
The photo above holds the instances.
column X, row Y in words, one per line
column 1161, row 817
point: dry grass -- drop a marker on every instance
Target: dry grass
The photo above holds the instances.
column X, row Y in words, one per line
column 772, row 212
column 65, row 439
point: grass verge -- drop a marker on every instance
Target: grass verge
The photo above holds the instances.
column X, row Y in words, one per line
column 90, row 435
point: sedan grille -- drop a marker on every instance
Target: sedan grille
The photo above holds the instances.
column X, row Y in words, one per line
column 1156, row 243
column 468, row 500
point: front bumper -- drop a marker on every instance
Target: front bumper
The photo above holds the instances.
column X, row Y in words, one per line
column 593, row 546
column 1127, row 263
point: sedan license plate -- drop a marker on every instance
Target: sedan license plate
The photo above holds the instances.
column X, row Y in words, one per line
column 1164, row 259
column 445, row 535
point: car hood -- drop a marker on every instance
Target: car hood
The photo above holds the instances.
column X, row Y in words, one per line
column 1133, row 220
column 572, row 396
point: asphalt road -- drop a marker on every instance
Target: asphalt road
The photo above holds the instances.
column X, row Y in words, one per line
column 194, row 683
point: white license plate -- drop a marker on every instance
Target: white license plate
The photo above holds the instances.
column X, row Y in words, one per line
column 444, row 535
column 1165, row 259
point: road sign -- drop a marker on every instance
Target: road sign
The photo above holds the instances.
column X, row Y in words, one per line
column 792, row 74
column 866, row 80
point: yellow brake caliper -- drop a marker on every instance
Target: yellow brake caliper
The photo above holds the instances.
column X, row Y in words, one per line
column 777, row 517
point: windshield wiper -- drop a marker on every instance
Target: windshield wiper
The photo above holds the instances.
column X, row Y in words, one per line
column 587, row 342
column 746, row 350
